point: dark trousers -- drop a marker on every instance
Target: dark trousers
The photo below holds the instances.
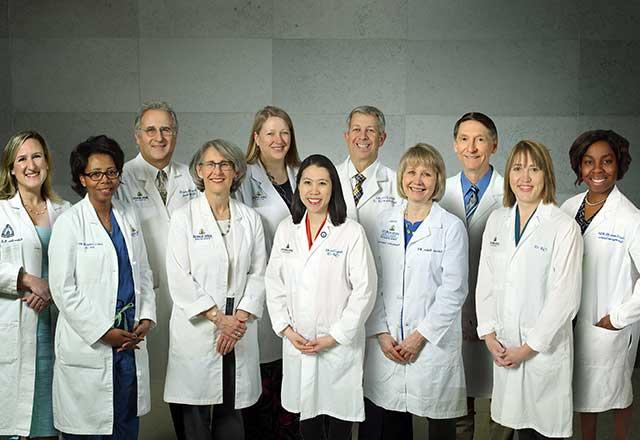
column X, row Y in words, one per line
column 530, row 434
column 221, row 421
column 383, row 424
column 267, row 420
column 125, row 401
column 325, row 427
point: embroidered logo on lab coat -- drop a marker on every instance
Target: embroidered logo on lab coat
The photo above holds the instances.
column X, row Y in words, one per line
column 7, row 232
column 286, row 250
column 202, row 235
column 140, row 197
column 333, row 252
column 494, row 242
column 323, row 234
column 134, row 232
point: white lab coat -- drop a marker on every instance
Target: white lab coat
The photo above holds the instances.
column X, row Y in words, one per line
column 20, row 247
column 83, row 277
column 378, row 194
column 138, row 188
column 198, row 270
column 478, row 365
column 423, row 289
column 258, row 192
column 326, row 290
column 529, row 294
column 604, row 359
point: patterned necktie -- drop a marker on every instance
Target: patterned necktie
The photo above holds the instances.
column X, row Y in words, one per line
column 161, row 184
column 472, row 202
column 357, row 189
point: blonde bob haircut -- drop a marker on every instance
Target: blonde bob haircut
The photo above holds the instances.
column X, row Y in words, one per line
column 539, row 155
column 428, row 156
column 253, row 151
column 8, row 185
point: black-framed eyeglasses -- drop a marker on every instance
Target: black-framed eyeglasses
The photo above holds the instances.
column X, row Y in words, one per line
column 153, row 131
column 224, row 165
column 97, row 176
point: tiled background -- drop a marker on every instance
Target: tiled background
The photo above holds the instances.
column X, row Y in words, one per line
column 545, row 70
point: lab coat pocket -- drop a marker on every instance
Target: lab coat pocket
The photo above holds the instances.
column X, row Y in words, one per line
column 599, row 347
column 9, row 335
column 81, row 358
column 378, row 369
column 191, row 338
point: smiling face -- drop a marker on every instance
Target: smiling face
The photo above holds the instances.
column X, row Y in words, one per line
column 102, row 191
column 216, row 172
column 273, row 139
column 364, row 139
column 419, row 183
column 156, row 146
column 30, row 166
column 315, row 189
column 599, row 168
column 474, row 144
column 526, row 180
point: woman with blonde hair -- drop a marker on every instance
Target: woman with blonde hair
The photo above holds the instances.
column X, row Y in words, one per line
column 28, row 208
column 272, row 165
column 527, row 294
column 414, row 363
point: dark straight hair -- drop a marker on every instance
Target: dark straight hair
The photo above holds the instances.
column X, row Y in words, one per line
column 337, row 206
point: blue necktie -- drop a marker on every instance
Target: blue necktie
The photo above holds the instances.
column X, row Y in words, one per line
column 472, row 202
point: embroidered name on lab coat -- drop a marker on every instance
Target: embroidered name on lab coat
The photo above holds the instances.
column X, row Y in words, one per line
column 436, row 251
column 540, row 248
column 88, row 245
column 7, row 232
column 385, row 199
column 188, row 193
column 601, row 235
column 333, row 252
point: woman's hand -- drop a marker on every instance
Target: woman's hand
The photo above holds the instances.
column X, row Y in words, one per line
column 142, row 328
column 319, row 345
column 298, row 341
column 514, row 356
column 120, row 339
column 35, row 285
column 605, row 322
column 390, row 348
column 496, row 349
column 410, row 348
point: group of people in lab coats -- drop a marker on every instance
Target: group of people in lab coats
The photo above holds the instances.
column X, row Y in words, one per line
column 268, row 297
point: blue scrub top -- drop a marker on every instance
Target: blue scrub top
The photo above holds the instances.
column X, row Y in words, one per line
column 126, row 292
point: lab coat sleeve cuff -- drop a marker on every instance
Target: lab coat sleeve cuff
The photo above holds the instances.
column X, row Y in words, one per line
column 338, row 335
column 201, row 305
column 9, row 282
column 536, row 345
column 279, row 327
column 251, row 306
column 485, row 329
column 616, row 320
column 99, row 333
column 429, row 335
column 375, row 328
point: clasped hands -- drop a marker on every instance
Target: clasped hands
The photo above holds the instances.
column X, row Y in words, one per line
column 309, row 347
column 38, row 296
column 231, row 328
column 508, row 357
column 404, row 352
column 123, row 340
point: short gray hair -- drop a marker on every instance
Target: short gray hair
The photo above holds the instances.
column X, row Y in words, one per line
column 229, row 151
column 371, row 111
column 156, row 105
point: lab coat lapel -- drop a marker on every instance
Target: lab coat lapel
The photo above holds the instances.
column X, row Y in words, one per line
column 457, row 202
column 171, row 183
column 371, row 186
column 25, row 223
column 125, row 227
column 347, row 190
column 323, row 235
column 534, row 223
column 607, row 211
column 237, row 233
column 433, row 220
column 491, row 199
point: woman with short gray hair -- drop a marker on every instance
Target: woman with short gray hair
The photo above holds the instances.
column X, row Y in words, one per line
column 215, row 267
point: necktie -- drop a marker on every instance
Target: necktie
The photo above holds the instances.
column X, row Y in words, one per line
column 472, row 202
column 161, row 184
column 357, row 189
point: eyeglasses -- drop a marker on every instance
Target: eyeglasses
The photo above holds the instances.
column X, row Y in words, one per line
column 97, row 176
column 224, row 165
column 153, row 131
